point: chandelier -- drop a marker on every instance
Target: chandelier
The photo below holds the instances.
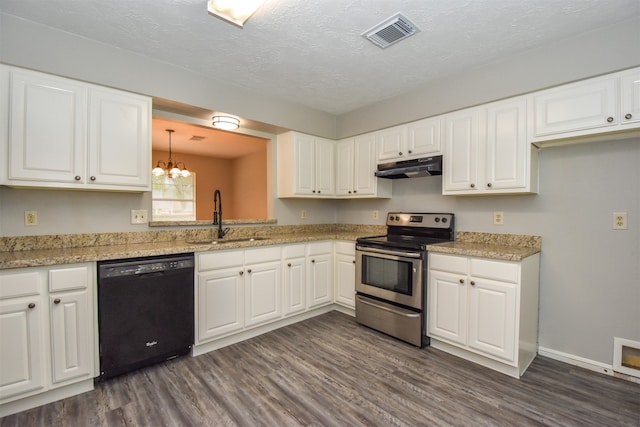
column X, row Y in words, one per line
column 170, row 168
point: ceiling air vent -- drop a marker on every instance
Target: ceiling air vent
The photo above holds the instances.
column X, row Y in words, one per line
column 391, row 31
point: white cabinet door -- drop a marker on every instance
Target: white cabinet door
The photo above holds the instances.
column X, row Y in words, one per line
column 424, row 137
column 220, row 302
column 304, row 164
column 119, row 138
column 461, row 149
column 364, row 165
column 447, row 306
column 630, row 88
column 22, row 354
column 71, row 335
column 263, row 298
column 345, row 281
column 575, row 107
column 295, row 284
column 507, row 146
column 47, row 128
column 392, row 144
column 324, row 167
column 344, row 167
column 492, row 317
column 320, row 279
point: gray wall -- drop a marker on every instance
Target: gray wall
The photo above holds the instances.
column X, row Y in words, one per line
column 589, row 273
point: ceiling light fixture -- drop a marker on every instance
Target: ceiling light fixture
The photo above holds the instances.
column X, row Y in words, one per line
column 171, row 169
column 236, row 12
column 226, row 122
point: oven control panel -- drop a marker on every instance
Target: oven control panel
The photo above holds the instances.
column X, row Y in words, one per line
column 425, row 220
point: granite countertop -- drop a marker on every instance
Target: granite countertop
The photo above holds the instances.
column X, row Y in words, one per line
column 508, row 247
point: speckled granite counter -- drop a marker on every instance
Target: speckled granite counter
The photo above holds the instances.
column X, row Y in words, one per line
column 509, row 247
column 32, row 251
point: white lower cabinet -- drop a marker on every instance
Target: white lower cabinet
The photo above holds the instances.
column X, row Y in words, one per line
column 47, row 329
column 485, row 310
column 320, row 273
column 345, row 274
column 263, row 300
column 294, row 279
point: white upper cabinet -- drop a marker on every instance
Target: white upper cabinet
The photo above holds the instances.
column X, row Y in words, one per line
column 486, row 150
column 604, row 104
column 355, row 169
column 306, row 166
column 417, row 139
column 68, row 134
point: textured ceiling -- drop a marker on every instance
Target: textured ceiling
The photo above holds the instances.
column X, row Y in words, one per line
column 311, row 52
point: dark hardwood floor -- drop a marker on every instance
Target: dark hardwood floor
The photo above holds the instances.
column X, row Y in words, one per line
column 330, row 371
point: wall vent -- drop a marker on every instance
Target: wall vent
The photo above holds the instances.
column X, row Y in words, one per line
column 626, row 356
column 391, row 31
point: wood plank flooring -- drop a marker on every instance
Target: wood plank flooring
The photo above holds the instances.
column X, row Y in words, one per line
column 330, row 371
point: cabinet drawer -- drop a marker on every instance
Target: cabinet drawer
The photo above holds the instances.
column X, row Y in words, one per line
column 494, row 270
column 450, row 263
column 320, row 248
column 255, row 256
column 293, row 251
column 346, row 248
column 20, row 284
column 63, row 279
column 222, row 259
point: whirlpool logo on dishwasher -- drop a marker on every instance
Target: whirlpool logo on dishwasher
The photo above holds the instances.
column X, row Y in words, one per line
column 152, row 343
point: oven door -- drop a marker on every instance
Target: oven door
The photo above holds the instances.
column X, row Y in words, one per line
column 393, row 275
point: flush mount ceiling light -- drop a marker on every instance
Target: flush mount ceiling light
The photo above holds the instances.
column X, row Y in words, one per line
column 169, row 168
column 226, row 122
column 236, row 12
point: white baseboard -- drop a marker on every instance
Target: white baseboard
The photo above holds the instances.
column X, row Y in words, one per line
column 591, row 365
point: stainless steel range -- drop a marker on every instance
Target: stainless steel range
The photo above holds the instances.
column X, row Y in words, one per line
column 391, row 274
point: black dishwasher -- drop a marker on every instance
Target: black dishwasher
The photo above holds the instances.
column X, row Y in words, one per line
column 145, row 311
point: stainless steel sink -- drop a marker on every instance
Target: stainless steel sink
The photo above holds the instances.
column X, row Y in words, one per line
column 223, row 241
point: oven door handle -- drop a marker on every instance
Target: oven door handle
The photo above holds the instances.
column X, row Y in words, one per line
column 386, row 252
column 381, row 307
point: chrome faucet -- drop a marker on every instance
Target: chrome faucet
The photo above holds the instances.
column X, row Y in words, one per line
column 217, row 214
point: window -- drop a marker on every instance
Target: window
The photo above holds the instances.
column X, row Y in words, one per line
column 173, row 199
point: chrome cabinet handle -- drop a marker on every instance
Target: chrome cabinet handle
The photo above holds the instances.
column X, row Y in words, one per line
column 32, row 305
column 628, row 116
column 77, row 178
column 610, row 119
column 56, row 301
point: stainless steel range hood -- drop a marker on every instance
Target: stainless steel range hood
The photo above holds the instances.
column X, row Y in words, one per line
column 414, row 168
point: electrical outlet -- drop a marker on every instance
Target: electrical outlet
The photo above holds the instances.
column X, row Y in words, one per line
column 375, row 214
column 620, row 221
column 498, row 218
column 303, row 214
column 139, row 216
column 30, row 218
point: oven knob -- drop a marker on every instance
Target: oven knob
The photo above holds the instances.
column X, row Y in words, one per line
column 444, row 220
column 397, row 218
column 437, row 219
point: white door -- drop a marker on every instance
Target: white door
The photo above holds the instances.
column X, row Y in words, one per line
column 324, row 167
column 461, row 145
column 320, row 280
column 22, row 354
column 345, row 288
column 492, row 318
column 585, row 105
column 392, row 144
column 263, row 299
column 71, row 335
column 630, row 89
column 47, row 128
column 344, row 167
column 119, row 138
column 304, row 164
column 294, row 285
column 447, row 306
column 364, row 165
column 424, row 137
column 220, row 303
column 507, row 145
